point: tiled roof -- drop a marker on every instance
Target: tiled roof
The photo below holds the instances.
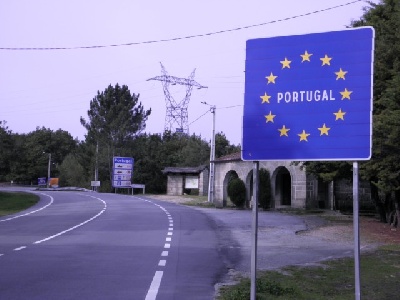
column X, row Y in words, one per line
column 184, row 170
column 230, row 157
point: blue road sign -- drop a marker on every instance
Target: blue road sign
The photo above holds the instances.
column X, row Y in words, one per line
column 122, row 172
column 309, row 97
column 42, row 181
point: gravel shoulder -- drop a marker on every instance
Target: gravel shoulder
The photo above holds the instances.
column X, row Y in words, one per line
column 288, row 239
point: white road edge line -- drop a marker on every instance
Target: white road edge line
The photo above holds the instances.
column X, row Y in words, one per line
column 76, row 226
column 154, row 286
column 31, row 212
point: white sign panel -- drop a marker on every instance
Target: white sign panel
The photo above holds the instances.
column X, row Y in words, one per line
column 191, row 182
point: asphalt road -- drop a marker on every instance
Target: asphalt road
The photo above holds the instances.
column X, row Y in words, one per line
column 84, row 245
column 77, row 245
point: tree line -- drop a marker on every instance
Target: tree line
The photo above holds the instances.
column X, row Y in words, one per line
column 115, row 127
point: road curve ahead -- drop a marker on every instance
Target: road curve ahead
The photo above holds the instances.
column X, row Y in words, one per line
column 83, row 245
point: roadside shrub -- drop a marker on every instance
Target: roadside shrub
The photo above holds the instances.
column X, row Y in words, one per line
column 237, row 192
column 72, row 173
column 264, row 192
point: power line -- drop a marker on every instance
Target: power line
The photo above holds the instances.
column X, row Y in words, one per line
column 200, row 117
column 230, row 106
column 181, row 38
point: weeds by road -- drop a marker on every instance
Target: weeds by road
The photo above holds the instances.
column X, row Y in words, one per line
column 11, row 203
column 380, row 273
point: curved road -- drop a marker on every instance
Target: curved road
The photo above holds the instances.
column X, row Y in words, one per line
column 80, row 245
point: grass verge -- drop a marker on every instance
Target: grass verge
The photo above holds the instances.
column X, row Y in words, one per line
column 334, row 280
column 11, row 203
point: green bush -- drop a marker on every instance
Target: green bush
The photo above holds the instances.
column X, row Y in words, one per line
column 72, row 173
column 264, row 189
column 237, row 192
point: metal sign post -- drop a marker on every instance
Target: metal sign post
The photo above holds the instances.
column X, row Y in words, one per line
column 254, row 232
column 356, row 225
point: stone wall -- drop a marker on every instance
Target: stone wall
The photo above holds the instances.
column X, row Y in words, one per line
column 175, row 185
column 203, row 183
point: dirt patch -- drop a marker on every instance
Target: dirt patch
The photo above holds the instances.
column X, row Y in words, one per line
column 173, row 199
column 372, row 231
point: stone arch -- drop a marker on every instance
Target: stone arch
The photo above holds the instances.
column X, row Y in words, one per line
column 228, row 177
column 282, row 187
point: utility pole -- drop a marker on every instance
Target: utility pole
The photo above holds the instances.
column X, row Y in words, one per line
column 96, row 169
column 48, row 171
column 212, row 157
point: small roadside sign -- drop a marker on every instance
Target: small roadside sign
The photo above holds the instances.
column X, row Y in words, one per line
column 42, row 181
column 95, row 183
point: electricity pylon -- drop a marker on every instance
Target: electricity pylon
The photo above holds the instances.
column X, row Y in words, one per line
column 176, row 116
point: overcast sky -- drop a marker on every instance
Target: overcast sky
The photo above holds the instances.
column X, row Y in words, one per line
column 53, row 88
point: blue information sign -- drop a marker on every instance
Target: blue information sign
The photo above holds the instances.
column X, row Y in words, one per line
column 42, row 181
column 122, row 172
column 309, row 97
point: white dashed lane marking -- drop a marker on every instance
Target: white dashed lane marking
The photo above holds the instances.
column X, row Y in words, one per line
column 19, row 248
column 155, row 284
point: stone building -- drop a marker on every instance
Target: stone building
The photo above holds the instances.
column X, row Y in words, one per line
column 290, row 185
column 181, row 179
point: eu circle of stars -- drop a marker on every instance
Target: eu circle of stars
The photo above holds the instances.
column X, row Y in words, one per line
column 306, row 58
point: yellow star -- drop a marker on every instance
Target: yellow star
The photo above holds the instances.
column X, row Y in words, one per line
column 271, row 78
column 326, row 60
column 339, row 115
column 324, row 129
column 306, row 56
column 283, row 131
column 303, row 136
column 286, row 63
column 340, row 74
column 265, row 98
column 346, row 94
column 270, row 117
